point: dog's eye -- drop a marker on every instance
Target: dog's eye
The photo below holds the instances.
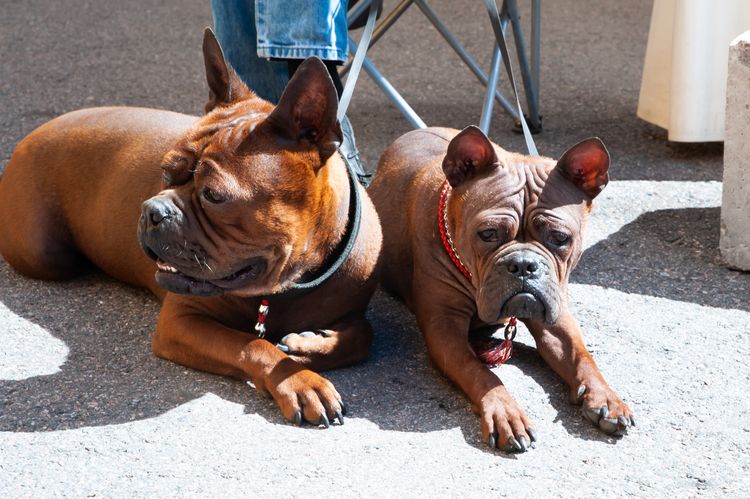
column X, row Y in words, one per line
column 488, row 235
column 211, row 196
column 559, row 238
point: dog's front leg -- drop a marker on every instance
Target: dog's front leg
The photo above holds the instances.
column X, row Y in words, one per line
column 189, row 336
column 561, row 346
column 504, row 424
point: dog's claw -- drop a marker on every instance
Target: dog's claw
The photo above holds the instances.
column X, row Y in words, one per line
column 524, row 443
column 514, row 443
column 297, row 418
column 604, row 411
column 492, row 441
column 340, row 417
column 532, row 434
column 344, row 409
column 324, row 421
column 307, row 334
column 283, row 348
column 581, row 391
column 592, row 415
column 632, row 420
column 623, row 420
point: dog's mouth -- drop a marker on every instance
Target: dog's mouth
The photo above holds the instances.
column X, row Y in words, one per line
column 524, row 305
column 172, row 279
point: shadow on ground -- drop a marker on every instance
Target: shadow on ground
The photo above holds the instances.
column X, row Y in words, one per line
column 110, row 375
column 670, row 254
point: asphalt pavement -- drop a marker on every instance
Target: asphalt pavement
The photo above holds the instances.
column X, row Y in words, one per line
column 86, row 410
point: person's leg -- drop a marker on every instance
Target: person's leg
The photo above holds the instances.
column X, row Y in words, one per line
column 234, row 24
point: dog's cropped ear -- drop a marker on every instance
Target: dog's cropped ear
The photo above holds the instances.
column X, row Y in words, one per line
column 224, row 85
column 306, row 112
column 586, row 164
column 469, row 153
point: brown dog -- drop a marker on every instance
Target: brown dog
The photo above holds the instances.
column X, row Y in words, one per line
column 212, row 214
column 513, row 232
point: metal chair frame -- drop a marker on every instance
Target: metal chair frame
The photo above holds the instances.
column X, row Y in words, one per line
column 528, row 63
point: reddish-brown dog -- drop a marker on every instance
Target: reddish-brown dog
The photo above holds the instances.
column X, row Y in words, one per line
column 516, row 223
column 212, row 214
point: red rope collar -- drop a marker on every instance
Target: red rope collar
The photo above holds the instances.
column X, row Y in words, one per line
column 445, row 235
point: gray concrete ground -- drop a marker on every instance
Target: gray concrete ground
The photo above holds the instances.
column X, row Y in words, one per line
column 86, row 410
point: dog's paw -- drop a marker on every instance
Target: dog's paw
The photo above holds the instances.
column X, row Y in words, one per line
column 306, row 395
column 504, row 424
column 602, row 406
column 307, row 343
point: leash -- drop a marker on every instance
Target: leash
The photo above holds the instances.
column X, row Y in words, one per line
column 359, row 58
column 497, row 28
column 488, row 352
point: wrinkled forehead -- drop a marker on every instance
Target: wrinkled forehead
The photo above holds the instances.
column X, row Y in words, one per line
column 221, row 131
column 523, row 184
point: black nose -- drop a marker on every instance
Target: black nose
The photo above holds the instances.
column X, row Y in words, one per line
column 155, row 211
column 523, row 265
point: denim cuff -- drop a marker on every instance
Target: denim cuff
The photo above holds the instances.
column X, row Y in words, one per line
column 300, row 52
column 297, row 29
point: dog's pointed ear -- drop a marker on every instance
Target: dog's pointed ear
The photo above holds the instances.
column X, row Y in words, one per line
column 469, row 153
column 224, row 85
column 306, row 111
column 586, row 164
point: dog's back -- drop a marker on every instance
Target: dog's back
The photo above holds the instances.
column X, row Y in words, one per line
column 69, row 170
column 408, row 180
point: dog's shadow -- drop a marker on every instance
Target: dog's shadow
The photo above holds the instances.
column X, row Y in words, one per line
column 110, row 375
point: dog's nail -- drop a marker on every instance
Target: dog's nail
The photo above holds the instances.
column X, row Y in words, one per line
column 623, row 420
column 492, row 440
column 307, row 334
column 340, row 417
column 608, row 425
column 324, row 421
column 283, row 348
column 532, row 434
column 523, row 442
column 591, row 415
column 581, row 391
column 514, row 443
column 604, row 411
column 632, row 420
column 297, row 418
column 283, row 340
column 344, row 409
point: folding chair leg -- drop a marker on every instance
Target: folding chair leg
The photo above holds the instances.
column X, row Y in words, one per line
column 380, row 29
column 461, row 51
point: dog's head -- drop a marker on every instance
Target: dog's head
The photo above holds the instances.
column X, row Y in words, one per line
column 246, row 204
column 518, row 221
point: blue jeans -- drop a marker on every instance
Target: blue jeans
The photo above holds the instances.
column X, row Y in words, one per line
column 251, row 32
